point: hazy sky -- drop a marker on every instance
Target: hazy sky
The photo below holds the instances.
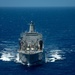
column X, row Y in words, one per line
column 36, row 3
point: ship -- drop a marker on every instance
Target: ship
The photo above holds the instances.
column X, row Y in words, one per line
column 31, row 47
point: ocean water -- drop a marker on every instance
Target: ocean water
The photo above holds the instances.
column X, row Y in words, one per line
column 58, row 28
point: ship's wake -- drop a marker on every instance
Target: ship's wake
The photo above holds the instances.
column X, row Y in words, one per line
column 54, row 55
column 9, row 53
column 7, row 56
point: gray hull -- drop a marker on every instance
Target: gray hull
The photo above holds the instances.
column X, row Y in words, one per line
column 31, row 47
column 31, row 59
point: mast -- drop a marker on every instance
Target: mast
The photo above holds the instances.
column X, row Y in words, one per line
column 31, row 28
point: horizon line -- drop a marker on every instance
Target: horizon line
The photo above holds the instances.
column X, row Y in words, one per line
column 33, row 6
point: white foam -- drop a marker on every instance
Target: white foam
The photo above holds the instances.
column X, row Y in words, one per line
column 17, row 58
column 9, row 56
column 6, row 57
column 58, row 57
column 54, row 55
column 9, row 53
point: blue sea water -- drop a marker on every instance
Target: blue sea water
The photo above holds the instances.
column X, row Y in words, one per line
column 58, row 28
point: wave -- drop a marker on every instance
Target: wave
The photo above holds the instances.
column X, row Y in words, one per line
column 53, row 53
column 8, row 42
column 6, row 56
column 10, row 56
column 9, row 51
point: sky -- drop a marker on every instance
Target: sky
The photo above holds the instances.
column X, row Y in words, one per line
column 37, row 3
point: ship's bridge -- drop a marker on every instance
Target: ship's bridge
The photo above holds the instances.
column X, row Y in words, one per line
column 31, row 40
